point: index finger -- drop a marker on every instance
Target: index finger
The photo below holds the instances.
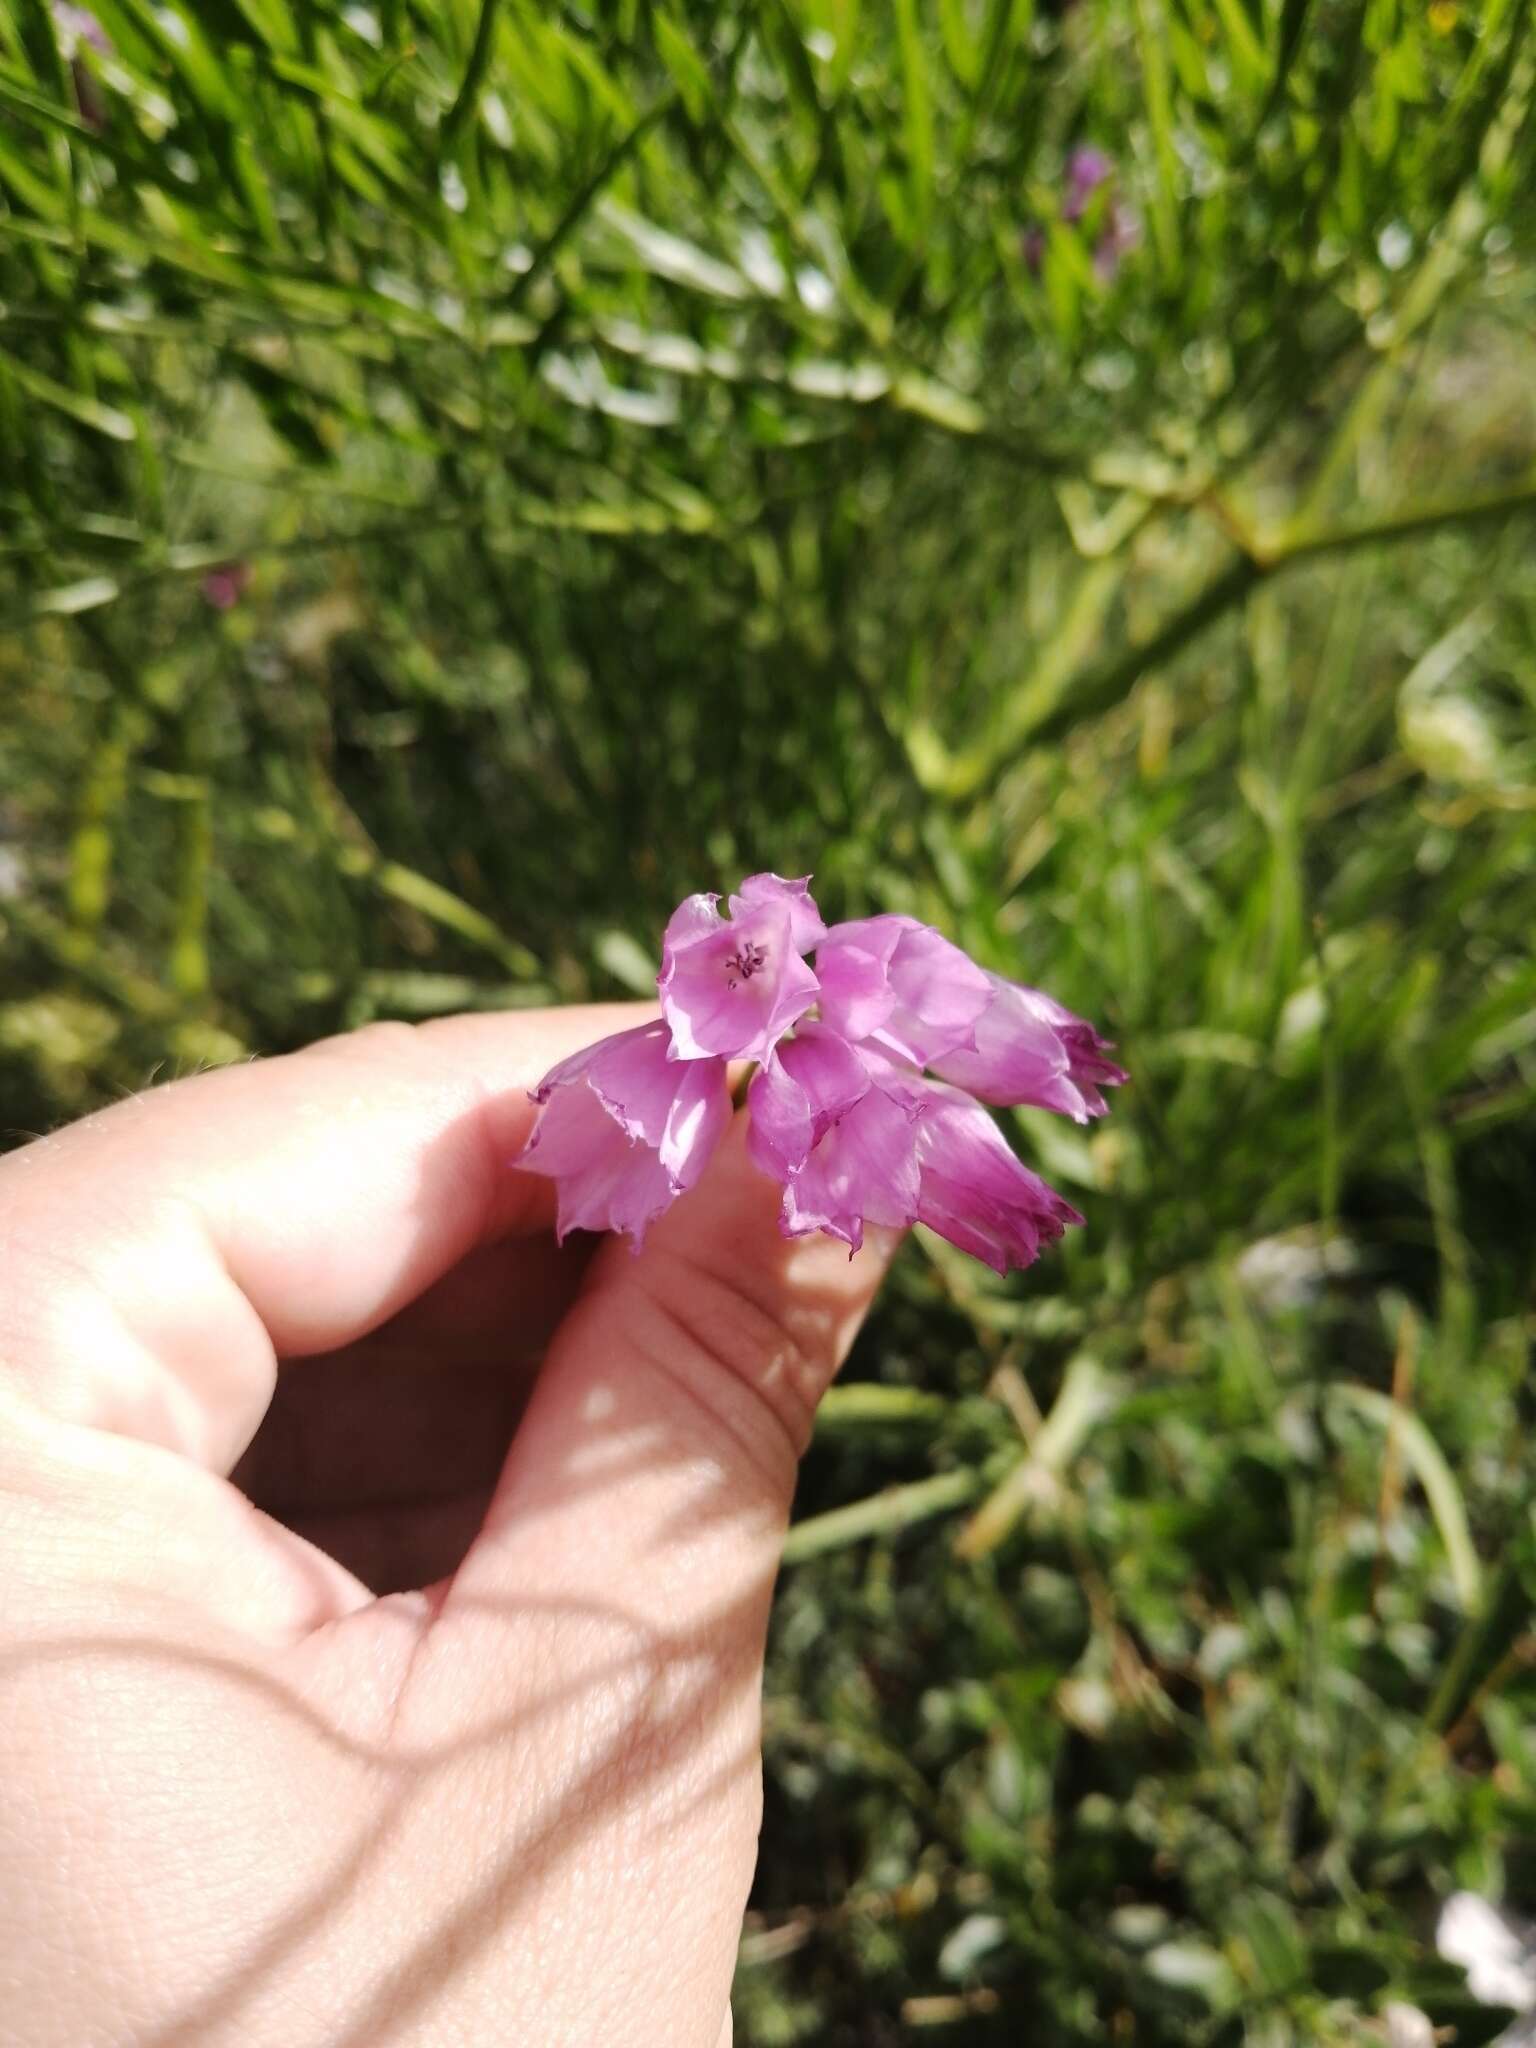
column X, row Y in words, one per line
column 161, row 1255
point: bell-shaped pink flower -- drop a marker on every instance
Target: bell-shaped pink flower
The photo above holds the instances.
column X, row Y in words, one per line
column 844, row 1147
column 625, row 1129
column 732, row 988
column 901, row 984
column 807, row 1084
column 975, row 1192
column 863, row 1169
column 1028, row 1048
column 857, row 1138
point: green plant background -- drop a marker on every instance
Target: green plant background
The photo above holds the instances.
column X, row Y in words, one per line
column 663, row 440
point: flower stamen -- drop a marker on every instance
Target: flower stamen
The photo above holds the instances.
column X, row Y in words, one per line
column 747, row 960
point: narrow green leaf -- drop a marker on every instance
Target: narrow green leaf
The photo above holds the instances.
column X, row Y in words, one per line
column 1152, row 45
column 174, row 31
column 1434, row 1475
column 622, row 956
column 1087, row 1396
column 90, row 412
column 443, row 907
column 917, row 126
column 272, row 23
column 17, row 173
column 866, row 1405
column 73, row 598
column 931, row 400
column 1293, row 26
column 687, row 68
column 843, row 19
column 1244, row 48
column 671, row 256
column 463, row 108
column 960, row 46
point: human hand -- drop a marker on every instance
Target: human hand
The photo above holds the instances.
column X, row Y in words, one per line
column 478, row 1763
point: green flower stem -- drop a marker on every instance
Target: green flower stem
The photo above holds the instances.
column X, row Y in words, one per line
column 886, row 1513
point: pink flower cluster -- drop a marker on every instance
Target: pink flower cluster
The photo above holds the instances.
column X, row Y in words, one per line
column 866, row 1106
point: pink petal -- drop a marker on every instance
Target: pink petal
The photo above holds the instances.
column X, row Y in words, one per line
column 604, row 1179
column 1018, row 1057
column 631, row 1074
column 731, row 990
column 940, row 994
column 780, row 1126
column 828, row 1069
column 807, row 1084
column 864, row 1170
column 909, row 1089
column 1029, row 1049
column 1087, row 169
column 806, row 927
column 975, row 1193
column 568, row 1069
column 856, row 994
column 1084, row 1045
column 694, row 918
column 700, row 1111
column 932, row 992
column 624, row 1129
column 633, row 1078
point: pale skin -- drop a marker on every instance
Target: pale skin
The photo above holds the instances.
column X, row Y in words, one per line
column 458, row 1743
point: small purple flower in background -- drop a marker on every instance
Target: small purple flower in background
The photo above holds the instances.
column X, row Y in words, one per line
column 77, row 29
column 224, row 586
column 78, row 25
column 1088, row 169
column 1120, row 235
column 840, row 1111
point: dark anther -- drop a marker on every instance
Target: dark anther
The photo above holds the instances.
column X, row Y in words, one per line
column 746, row 961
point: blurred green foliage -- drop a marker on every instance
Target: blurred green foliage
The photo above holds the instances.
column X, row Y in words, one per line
column 471, row 473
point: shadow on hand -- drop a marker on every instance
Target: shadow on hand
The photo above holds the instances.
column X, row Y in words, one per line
column 414, row 1423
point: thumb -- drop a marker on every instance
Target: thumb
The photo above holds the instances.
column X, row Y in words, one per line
column 617, row 1597
column 681, row 1390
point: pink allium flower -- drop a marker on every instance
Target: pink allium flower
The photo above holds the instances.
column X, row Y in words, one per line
column 805, row 1088
column 864, row 1169
column 840, row 1111
column 1029, row 1049
column 732, row 988
column 901, row 984
column 625, row 1129
column 975, row 1192
column 896, row 1149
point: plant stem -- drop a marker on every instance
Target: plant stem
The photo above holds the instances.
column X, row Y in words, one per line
column 885, row 1514
column 468, row 94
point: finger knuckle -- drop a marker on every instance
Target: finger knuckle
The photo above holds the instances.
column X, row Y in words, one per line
column 386, row 1039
